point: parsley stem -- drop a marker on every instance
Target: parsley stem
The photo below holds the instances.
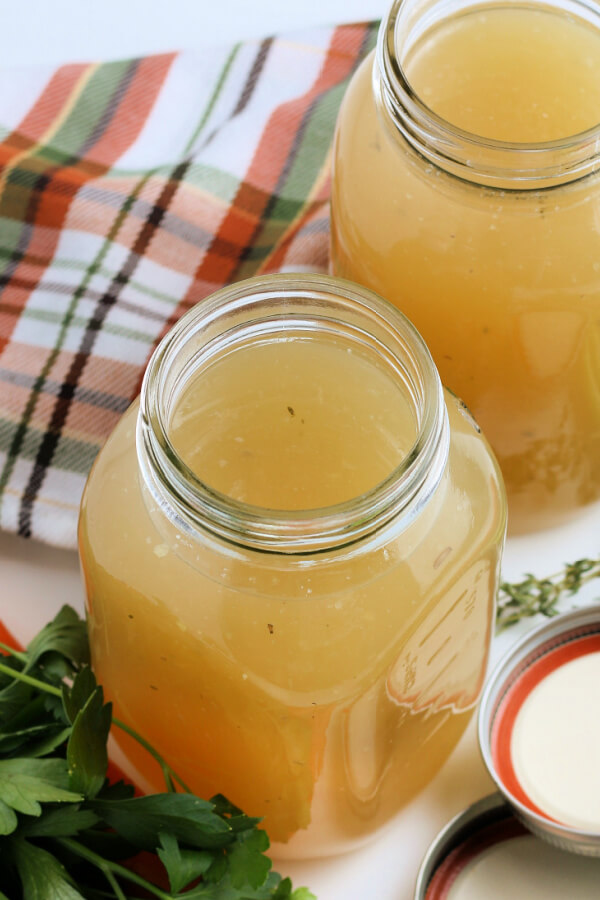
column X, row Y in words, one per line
column 110, row 869
column 33, row 682
column 119, row 895
column 168, row 773
column 17, row 654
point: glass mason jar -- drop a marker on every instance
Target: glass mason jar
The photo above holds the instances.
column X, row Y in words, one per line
column 489, row 244
column 291, row 549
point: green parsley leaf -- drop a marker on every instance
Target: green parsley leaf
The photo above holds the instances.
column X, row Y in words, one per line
column 87, row 756
column 189, row 819
column 218, row 870
column 17, row 741
column 224, row 890
column 236, row 819
column 66, row 635
column 63, row 822
column 284, row 891
column 25, row 793
column 14, row 695
column 43, row 877
column 302, row 893
column 46, row 742
column 75, row 697
column 247, row 864
column 8, row 819
column 54, row 771
column 66, row 833
column 183, row 866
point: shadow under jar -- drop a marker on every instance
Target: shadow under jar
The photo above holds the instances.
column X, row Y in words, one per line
column 291, row 549
column 466, row 191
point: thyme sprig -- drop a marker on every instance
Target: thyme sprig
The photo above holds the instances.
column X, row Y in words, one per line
column 534, row 596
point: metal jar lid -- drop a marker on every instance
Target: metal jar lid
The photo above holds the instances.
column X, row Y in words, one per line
column 487, row 813
column 487, row 844
column 503, row 688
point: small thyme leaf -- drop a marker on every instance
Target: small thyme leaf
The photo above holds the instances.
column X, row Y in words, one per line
column 534, row 596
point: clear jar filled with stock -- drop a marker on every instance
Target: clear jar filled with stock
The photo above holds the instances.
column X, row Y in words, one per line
column 466, row 191
column 291, row 550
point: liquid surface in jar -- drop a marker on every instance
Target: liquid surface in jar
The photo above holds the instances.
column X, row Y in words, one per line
column 525, row 868
column 516, row 75
column 504, row 285
column 555, row 744
column 293, row 424
column 320, row 692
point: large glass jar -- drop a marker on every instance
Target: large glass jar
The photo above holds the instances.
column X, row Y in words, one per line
column 291, row 549
column 463, row 194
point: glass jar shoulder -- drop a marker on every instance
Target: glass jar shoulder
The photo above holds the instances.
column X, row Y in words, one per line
column 358, row 106
column 112, row 509
column 474, row 474
column 459, row 535
column 357, row 134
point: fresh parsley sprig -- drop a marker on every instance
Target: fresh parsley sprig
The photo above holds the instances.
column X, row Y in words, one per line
column 533, row 596
column 66, row 833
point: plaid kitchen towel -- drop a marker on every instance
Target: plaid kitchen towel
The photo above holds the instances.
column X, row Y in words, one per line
column 128, row 192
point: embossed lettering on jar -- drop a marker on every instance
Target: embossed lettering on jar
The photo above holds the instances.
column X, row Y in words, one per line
column 466, row 191
column 291, row 580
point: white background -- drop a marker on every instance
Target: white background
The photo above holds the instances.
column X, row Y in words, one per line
column 35, row 580
column 71, row 30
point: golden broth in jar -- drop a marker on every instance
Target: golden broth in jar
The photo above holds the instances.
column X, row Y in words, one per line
column 291, row 582
column 490, row 246
column 291, row 425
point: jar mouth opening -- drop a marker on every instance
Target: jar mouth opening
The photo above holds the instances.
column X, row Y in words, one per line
column 449, row 146
column 279, row 304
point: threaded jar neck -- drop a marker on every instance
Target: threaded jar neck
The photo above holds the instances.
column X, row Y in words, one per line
column 290, row 307
column 494, row 163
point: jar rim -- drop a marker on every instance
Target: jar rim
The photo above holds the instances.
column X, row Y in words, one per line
column 196, row 505
column 464, row 153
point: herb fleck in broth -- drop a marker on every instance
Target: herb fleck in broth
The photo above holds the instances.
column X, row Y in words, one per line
column 293, row 425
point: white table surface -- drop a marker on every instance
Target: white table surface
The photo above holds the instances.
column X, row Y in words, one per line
column 36, row 580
